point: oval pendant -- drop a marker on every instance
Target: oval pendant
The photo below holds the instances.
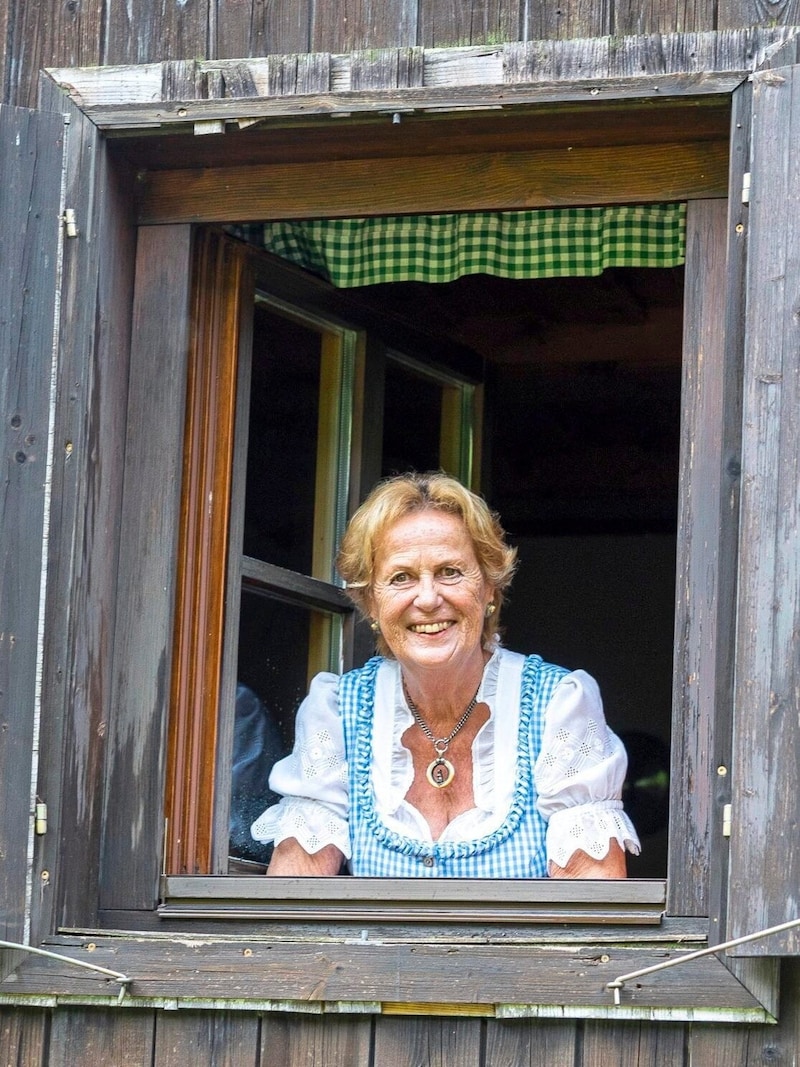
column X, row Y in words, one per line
column 440, row 772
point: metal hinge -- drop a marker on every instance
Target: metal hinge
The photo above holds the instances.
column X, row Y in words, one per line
column 746, row 187
column 70, row 225
column 40, row 819
column 726, row 821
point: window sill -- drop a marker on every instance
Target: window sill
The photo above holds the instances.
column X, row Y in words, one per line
column 414, row 900
column 252, row 971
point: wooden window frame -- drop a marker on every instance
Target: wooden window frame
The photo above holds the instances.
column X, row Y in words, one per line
column 359, row 970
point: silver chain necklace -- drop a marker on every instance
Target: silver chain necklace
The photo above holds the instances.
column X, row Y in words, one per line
column 441, row 771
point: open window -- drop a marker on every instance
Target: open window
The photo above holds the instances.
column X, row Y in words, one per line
column 578, row 448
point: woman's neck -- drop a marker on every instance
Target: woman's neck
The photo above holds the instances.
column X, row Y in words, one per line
column 441, row 694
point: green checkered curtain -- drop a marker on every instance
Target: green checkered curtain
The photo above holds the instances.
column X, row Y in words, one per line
column 511, row 244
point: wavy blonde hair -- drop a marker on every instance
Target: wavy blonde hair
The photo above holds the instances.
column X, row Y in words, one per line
column 396, row 497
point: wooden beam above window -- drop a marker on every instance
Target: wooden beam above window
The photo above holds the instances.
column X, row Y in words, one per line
column 501, row 181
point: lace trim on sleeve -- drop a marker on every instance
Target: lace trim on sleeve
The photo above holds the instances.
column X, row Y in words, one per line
column 590, row 827
column 310, row 822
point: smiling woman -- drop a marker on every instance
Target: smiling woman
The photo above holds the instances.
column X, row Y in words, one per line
column 446, row 754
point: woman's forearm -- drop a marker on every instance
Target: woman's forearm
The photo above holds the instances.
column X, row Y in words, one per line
column 581, row 865
column 290, row 858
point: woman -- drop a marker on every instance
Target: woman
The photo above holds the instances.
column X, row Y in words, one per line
column 446, row 755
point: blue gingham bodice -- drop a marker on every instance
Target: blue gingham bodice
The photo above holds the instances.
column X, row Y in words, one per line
column 516, row 849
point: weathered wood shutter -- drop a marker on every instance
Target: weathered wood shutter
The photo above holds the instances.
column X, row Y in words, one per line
column 31, row 153
column 764, row 881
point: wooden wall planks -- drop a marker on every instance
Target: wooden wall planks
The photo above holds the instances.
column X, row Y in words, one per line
column 212, row 1039
column 31, row 151
column 317, row 1041
column 93, row 1037
column 87, row 1036
column 414, row 1041
column 481, row 22
column 23, row 1037
column 53, row 34
column 778, row 12
column 531, row 1044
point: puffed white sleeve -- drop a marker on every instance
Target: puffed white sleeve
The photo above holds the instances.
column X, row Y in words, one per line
column 312, row 779
column 579, row 775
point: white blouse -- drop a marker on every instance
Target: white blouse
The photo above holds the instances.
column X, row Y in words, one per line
column 578, row 774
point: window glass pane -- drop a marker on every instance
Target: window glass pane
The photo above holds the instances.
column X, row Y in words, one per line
column 282, row 443
column 412, row 417
column 276, row 644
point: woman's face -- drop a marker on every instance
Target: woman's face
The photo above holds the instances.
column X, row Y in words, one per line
column 429, row 595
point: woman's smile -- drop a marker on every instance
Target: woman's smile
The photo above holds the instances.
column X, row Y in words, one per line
column 430, row 627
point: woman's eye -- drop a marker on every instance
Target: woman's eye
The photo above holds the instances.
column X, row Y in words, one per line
column 450, row 572
column 399, row 579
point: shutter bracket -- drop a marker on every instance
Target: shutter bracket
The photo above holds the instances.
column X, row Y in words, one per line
column 726, row 821
column 70, row 225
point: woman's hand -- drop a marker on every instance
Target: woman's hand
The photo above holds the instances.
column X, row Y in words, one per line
column 581, row 865
column 290, row 858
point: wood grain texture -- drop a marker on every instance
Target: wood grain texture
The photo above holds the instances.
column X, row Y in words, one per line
column 426, row 1042
column 562, row 21
column 499, row 182
column 253, row 28
column 89, row 1036
column 532, row 62
column 447, row 23
column 37, row 38
column 719, row 1044
column 350, row 25
column 562, row 977
column 133, row 801
column 217, row 270
column 653, row 16
column 94, row 334
column 314, row 1041
column 754, row 12
column 731, row 459
column 543, row 1043
column 765, row 862
column 206, row 1039
column 700, row 615
column 632, row 1044
column 87, row 34
column 31, row 150
column 23, row 1037
column 177, row 29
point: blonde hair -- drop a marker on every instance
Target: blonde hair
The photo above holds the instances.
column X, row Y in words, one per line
column 403, row 494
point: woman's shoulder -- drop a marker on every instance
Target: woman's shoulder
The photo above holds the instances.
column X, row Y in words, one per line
column 530, row 662
column 538, row 672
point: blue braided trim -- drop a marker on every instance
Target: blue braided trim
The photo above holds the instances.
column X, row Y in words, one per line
column 539, row 679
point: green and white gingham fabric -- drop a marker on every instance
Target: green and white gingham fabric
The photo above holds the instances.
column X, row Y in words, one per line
column 510, row 244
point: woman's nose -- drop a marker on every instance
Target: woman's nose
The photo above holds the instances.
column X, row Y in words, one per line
column 427, row 592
